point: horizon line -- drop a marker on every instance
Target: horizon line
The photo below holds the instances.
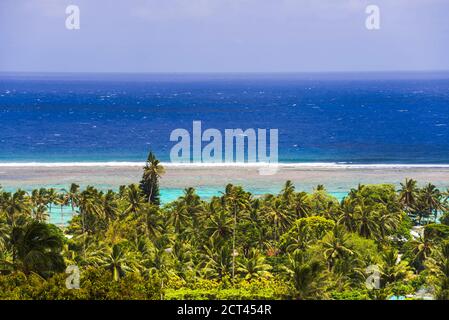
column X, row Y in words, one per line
column 224, row 72
column 305, row 165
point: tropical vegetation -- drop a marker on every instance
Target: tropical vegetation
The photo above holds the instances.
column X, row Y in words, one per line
column 291, row 245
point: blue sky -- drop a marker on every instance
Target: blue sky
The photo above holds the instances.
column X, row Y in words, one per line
column 224, row 36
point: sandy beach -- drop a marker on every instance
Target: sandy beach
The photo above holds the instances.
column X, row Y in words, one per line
column 334, row 177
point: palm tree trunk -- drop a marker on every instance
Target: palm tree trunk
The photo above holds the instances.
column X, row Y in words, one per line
column 233, row 243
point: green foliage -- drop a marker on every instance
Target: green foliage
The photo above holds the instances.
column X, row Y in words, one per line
column 361, row 294
column 291, row 245
column 436, row 232
column 149, row 185
column 445, row 218
column 305, row 231
column 261, row 289
column 95, row 285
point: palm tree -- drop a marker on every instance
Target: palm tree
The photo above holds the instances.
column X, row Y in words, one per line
column 37, row 248
column 438, row 267
column 151, row 220
column 430, row 197
column 110, row 205
column 62, row 201
column 134, row 199
column 237, row 200
column 192, row 205
column 347, row 217
column 5, row 233
column 40, row 213
column 366, row 220
column 305, row 275
column 388, row 223
column 302, row 205
column 356, row 193
column 38, row 197
column 419, row 250
column 15, row 205
column 299, row 238
column 253, row 265
column 73, row 196
column 220, row 225
column 179, row 216
column 187, row 212
column 278, row 215
column 91, row 206
column 336, row 247
column 218, row 262
column 393, row 268
column 445, row 195
column 149, row 185
column 288, row 191
column 182, row 256
column 408, row 193
column 51, row 197
column 115, row 259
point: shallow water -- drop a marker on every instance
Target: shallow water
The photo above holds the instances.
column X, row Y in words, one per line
column 167, row 195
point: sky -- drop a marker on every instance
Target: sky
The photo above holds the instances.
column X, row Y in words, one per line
column 223, row 36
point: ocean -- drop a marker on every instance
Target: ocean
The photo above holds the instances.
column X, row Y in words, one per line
column 370, row 118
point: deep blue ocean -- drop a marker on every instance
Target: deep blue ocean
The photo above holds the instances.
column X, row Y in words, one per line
column 357, row 118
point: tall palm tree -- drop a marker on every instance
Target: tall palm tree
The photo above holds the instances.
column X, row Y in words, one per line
column 149, row 185
column 237, row 200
